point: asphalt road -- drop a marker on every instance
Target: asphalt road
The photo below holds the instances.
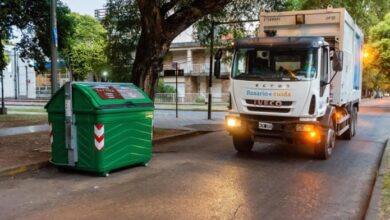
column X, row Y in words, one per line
column 203, row 178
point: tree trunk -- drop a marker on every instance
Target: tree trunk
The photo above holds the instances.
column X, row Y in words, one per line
column 158, row 31
column 148, row 63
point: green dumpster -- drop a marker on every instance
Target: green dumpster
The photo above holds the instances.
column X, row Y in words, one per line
column 99, row 127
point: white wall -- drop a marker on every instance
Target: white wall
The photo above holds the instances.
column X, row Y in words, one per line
column 18, row 82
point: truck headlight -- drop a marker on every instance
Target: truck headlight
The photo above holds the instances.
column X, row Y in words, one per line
column 233, row 122
column 304, row 127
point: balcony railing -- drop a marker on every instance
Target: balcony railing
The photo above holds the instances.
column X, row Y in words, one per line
column 198, row 69
column 190, row 98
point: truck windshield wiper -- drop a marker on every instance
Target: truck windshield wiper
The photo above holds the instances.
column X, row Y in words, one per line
column 250, row 77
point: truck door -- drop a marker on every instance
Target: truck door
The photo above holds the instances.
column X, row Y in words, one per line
column 324, row 79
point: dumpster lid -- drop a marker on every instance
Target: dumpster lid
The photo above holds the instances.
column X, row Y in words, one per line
column 115, row 91
column 99, row 96
column 114, row 95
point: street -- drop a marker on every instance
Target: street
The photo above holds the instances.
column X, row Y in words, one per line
column 204, row 178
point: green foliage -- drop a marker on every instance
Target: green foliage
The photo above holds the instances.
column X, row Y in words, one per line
column 6, row 59
column 85, row 53
column 162, row 88
column 365, row 12
column 377, row 68
column 33, row 19
column 200, row 99
column 237, row 10
column 380, row 41
column 122, row 22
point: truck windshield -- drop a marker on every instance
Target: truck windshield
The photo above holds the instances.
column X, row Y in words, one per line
column 275, row 64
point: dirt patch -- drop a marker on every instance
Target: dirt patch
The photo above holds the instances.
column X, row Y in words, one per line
column 8, row 121
column 24, row 149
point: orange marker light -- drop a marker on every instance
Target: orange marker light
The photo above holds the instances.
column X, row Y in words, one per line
column 312, row 134
column 338, row 115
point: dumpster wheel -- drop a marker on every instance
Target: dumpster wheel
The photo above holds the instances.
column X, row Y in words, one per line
column 105, row 174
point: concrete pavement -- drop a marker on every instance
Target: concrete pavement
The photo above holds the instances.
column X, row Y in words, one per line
column 23, row 130
column 203, row 178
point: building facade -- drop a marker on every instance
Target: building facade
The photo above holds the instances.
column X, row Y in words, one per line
column 19, row 77
column 193, row 63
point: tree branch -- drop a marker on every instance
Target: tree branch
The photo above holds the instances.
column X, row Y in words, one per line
column 188, row 14
column 151, row 20
column 165, row 8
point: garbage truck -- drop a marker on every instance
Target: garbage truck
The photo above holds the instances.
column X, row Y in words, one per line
column 297, row 82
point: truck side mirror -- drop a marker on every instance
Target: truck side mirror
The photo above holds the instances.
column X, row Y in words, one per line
column 337, row 62
column 217, row 64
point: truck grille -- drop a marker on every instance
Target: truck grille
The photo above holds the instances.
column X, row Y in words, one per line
column 260, row 109
column 263, row 106
column 268, row 118
column 284, row 103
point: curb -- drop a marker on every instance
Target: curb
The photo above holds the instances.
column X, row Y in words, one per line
column 374, row 205
column 12, row 171
column 175, row 137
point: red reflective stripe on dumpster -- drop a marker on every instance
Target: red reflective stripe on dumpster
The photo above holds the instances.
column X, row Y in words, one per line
column 99, row 136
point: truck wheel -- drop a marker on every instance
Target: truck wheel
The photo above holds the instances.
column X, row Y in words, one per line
column 324, row 149
column 243, row 144
column 348, row 134
column 355, row 118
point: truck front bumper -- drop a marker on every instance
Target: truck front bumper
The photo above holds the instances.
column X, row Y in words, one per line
column 288, row 130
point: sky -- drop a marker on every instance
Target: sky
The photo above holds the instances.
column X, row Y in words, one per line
column 86, row 7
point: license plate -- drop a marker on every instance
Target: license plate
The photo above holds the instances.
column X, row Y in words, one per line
column 265, row 126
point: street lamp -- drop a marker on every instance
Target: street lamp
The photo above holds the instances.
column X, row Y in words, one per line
column 105, row 74
column 365, row 55
column 54, row 47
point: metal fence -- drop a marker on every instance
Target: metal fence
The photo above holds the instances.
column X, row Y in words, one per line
column 190, row 98
column 43, row 92
column 197, row 69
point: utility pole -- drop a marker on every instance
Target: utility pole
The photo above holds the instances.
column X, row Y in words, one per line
column 26, row 81
column 177, row 89
column 3, row 109
column 16, row 71
column 54, row 46
column 211, row 70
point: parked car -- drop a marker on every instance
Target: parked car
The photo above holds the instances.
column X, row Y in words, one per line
column 378, row 95
column 386, row 94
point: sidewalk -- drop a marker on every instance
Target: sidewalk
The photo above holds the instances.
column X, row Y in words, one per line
column 28, row 147
column 187, row 120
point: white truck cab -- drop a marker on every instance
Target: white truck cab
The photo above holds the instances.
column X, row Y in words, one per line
column 298, row 82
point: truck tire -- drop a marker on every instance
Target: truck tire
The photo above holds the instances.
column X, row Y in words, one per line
column 324, row 149
column 355, row 117
column 243, row 144
column 348, row 134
